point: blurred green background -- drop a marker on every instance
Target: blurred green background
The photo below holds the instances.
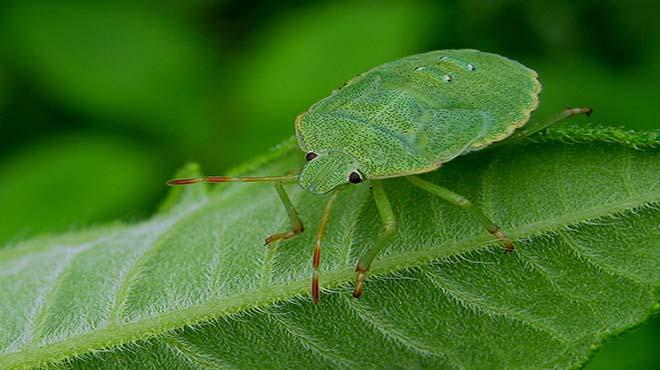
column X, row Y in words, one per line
column 101, row 102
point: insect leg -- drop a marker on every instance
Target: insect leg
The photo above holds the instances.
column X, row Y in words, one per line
column 389, row 226
column 463, row 202
column 317, row 245
column 534, row 127
column 296, row 223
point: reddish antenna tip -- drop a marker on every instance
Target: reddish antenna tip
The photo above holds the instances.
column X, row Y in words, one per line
column 187, row 181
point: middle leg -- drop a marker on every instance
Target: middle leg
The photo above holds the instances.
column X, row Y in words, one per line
column 389, row 229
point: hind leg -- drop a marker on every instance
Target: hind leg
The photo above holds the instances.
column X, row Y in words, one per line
column 463, row 202
column 534, row 127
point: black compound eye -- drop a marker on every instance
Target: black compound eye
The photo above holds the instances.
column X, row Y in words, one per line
column 311, row 155
column 355, row 177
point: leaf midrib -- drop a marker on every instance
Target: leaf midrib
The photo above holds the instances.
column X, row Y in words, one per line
column 114, row 334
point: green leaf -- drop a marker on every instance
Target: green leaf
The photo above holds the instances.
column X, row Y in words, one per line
column 584, row 133
column 193, row 287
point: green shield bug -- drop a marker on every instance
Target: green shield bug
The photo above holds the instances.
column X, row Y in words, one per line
column 404, row 118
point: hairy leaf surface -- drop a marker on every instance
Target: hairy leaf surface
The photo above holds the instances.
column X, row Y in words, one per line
column 194, row 287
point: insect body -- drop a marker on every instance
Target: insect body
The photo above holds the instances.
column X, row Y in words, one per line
column 404, row 118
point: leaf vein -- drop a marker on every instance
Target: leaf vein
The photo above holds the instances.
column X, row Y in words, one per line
column 532, row 264
column 396, row 337
column 481, row 307
column 582, row 253
column 192, row 354
column 309, row 343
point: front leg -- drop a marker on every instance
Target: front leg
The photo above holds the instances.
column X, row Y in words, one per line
column 389, row 229
column 296, row 223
